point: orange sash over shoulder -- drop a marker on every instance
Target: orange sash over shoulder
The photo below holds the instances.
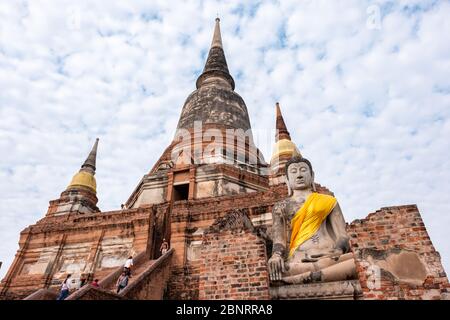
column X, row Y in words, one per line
column 309, row 217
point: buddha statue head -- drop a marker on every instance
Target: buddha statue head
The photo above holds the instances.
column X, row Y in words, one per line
column 299, row 174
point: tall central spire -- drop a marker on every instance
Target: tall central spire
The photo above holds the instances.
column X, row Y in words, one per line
column 214, row 102
column 217, row 37
column 216, row 68
column 213, row 147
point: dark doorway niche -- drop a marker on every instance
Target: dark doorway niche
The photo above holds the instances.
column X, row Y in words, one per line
column 181, row 192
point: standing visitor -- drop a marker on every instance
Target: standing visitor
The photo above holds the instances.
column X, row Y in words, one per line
column 65, row 289
column 95, row 283
column 128, row 265
column 82, row 282
column 164, row 247
column 122, row 282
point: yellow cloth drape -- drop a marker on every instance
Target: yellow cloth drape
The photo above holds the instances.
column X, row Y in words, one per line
column 309, row 217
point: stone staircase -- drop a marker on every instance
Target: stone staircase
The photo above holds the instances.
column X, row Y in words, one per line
column 148, row 282
column 136, row 271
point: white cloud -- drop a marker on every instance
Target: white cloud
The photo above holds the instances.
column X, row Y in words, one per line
column 369, row 107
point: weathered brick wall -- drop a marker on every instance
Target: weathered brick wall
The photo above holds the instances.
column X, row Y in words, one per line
column 395, row 257
column 183, row 283
column 234, row 266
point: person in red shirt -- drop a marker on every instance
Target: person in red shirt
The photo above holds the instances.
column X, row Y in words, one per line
column 95, row 283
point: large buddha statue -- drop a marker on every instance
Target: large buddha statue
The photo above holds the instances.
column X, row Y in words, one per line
column 310, row 243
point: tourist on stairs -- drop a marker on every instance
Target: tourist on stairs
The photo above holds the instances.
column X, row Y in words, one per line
column 122, row 282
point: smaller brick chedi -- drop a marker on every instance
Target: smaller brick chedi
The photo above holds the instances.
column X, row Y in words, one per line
column 237, row 227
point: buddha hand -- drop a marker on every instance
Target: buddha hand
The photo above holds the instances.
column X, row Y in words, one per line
column 276, row 267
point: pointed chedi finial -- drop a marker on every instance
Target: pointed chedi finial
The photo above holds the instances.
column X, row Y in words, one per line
column 217, row 37
column 89, row 164
column 283, row 147
column 85, row 177
column 216, row 68
column 282, row 131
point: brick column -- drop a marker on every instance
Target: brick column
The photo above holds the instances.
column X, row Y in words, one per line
column 169, row 187
column 191, row 183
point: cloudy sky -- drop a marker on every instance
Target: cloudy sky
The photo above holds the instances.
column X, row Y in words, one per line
column 364, row 87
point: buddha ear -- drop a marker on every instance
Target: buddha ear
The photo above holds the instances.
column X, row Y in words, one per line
column 286, row 180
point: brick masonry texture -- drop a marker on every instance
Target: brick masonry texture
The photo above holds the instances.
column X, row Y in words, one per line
column 233, row 266
column 396, row 229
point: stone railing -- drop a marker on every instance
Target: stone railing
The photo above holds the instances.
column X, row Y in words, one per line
column 90, row 292
column 42, row 294
column 110, row 280
column 150, row 284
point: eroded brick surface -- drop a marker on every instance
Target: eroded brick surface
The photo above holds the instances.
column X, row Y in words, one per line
column 394, row 241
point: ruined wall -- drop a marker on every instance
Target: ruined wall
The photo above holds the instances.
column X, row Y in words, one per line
column 233, row 266
column 395, row 257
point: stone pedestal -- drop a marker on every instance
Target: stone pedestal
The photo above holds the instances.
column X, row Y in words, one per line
column 337, row 290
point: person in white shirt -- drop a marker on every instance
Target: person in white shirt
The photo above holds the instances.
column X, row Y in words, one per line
column 128, row 265
column 65, row 289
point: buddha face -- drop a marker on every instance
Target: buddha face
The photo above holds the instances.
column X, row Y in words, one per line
column 299, row 176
